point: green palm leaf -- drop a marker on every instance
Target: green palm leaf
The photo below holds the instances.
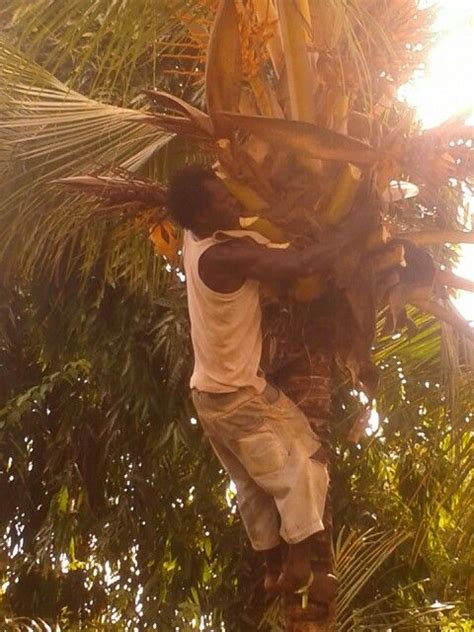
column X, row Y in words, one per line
column 49, row 131
column 63, row 128
column 104, row 45
column 357, row 557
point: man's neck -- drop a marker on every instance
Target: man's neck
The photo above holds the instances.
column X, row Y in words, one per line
column 201, row 233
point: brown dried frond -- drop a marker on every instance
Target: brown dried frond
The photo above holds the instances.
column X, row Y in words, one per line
column 441, row 153
column 119, row 187
column 409, row 31
column 376, row 40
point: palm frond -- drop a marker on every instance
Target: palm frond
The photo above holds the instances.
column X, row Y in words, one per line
column 62, row 128
column 117, row 189
column 24, row 624
column 201, row 119
column 357, row 557
column 104, row 45
column 303, row 138
column 224, row 62
column 434, row 237
column 52, row 132
column 293, row 28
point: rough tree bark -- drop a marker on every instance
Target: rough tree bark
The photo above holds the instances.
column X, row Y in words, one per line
column 309, row 384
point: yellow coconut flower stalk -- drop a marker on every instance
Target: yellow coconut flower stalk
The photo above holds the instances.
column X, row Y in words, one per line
column 247, row 196
column 265, row 228
column 266, row 13
column 254, row 37
column 342, row 198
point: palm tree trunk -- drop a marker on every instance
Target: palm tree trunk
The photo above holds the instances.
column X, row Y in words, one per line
column 309, row 384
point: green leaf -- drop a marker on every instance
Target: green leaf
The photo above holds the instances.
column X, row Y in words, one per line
column 62, row 500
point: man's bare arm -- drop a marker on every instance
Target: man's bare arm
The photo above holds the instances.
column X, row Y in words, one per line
column 243, row 258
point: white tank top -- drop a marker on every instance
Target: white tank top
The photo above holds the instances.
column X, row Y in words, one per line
column 225, row 327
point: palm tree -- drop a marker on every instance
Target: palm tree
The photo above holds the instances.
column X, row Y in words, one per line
column 295, row 103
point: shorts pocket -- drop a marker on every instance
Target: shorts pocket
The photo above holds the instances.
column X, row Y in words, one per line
column 261, row 452
column 234, row 408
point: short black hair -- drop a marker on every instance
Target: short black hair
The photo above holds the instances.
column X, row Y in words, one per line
column 187, row 194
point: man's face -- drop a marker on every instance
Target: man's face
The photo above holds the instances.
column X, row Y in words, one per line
column 224, row 210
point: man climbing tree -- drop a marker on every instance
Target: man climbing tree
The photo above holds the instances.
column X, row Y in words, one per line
column 261, row 437
column 295, row 102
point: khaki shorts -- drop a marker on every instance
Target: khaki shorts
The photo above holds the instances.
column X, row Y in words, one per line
column 267, row 446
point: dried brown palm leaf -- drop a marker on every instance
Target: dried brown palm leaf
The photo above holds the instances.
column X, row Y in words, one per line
column 224, row 64
column 303, row 138
column 117, row 189
column 434, row 237
column 198, row 117
column 446, row 314
column 448, row 278
column 144, row 201
column 167, row 240
column 178, row 125
column 299, row 73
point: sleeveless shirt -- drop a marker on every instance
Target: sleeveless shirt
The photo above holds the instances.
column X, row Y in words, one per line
column 225, row 327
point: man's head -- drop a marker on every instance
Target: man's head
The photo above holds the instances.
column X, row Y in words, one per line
column 198, row 200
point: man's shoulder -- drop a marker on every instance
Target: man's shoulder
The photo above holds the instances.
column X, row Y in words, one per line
column 228, row 246
column 222, row 267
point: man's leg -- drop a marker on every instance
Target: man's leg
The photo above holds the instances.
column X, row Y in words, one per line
column 257, row 508
column 273, row 568
column 258, row 513
column 296, row 571
column 271, row 440
column 280, row 453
